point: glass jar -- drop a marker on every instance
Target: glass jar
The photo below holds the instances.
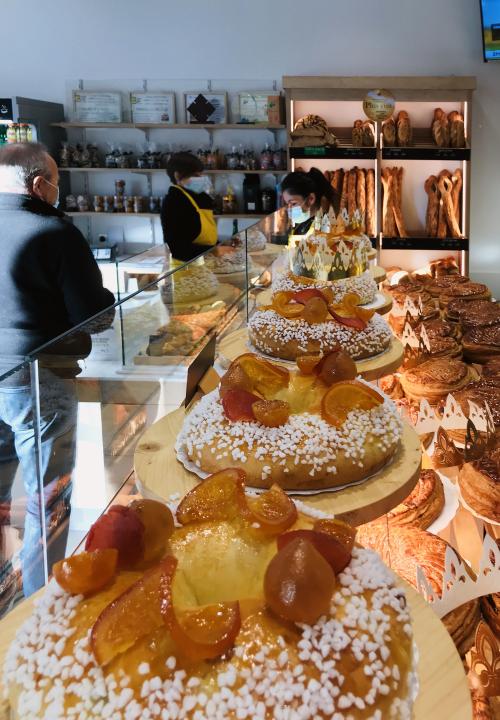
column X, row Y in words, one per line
column 137, row 203
column 98, row 203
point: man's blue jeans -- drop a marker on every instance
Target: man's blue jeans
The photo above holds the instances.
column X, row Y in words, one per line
column 58, row 414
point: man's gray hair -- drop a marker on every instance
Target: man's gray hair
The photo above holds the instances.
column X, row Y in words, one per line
column 21, row 163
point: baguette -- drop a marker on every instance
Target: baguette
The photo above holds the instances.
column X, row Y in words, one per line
column 370, row 202
column 445, row 185
column 357, row 133
column 336, row 180
column 343, row 197
column 442, row 230
column 397, row 185
column 351, row 192
column 403, row 129
column 368, row 134
column 389, row 132
column 361, row 197
column 457, row 130
column 440, row 128
column 457, row 181
column 388, row 222
column 432, row 213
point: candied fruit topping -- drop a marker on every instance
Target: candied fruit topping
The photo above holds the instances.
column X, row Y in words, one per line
column 158, row 524
column 349, row 313
column 267, row 378
column 342, row 397
column 219, row 497
column 308, row 363
column 238, row 405
column 282, row 304
column 315, row 311
column 87, row 572
column 207, row 632
column 271, row 413
column 302, row 296
column 119, row 528
column 339, row 529
column 273, row 511
column 299, row 583
column 235, row 379
column 337, row 555
column 134, row 614
column 337, row 365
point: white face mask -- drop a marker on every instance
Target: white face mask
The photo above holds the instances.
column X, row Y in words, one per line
column 297, row 215
column 56, row 201
column 197, row 184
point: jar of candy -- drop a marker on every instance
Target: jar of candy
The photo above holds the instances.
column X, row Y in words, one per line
column 128, row 201
column 98, row 203
column 118, row 203
column 108, row 203
column 137, row 203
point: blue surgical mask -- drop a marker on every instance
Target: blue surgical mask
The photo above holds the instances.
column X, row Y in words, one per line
column 197, row 184
column 56, row 201
column 297, row 215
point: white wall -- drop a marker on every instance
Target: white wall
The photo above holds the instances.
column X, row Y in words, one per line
column 46, row 43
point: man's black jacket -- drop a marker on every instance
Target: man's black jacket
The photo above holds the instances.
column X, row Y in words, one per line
column 49, row 280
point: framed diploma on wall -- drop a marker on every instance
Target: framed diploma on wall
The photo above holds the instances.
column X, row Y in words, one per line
column 98, row 107
column 149, row 107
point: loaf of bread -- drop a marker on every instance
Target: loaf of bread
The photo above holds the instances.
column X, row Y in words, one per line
column 370, row 203
column 403, row 129
column 440, row 128
column 357, row 133
column 389, row 132
column 368, row 134
column 361, row 197
column 432, row 214
column 457, row 129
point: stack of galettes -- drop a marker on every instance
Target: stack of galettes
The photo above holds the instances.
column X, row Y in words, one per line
column 462, row 323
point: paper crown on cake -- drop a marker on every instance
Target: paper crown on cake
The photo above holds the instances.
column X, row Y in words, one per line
column 338, row 225
column 416, row 349
column 474, row 430
column 459, row 583
column 485, row 661
column 412, row 310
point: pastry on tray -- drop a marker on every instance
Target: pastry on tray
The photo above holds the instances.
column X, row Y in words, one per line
column 460, row 308
column 481, row 391
column 189, row 284
column 435, row 378
column 442, row 347
column 310, row 428
column 479, row 482
column 247, row 608
column 482, row 343
column 405, row 548
column 438, row 328
column 464, row 291
column 223, row 260
column 363, row 285
column 308, row 321
column 491, row 369
column 423, row 505
column 437, row 286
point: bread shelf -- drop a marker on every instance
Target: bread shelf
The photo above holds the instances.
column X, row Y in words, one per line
column 420, row 242
column 333, row 153
column 168, row 126
column 425, row 152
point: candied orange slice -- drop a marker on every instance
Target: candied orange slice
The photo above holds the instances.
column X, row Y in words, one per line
column 337, row 555
column 307, row 364
column 273, row 511
column 235, row 379
column 87, row 572
column 354, row 322
column 133, row 614
column 349, row 309
column 238, row 405
column 315, row 311
column 299, row 583
column 345, row 396
column 158, row 524
column 205, row 633
column 282, row 305
column 302, row 296
column 271, row 413
column 219, row 497
column 266, row 377
column 342, row 531
column 335, row 366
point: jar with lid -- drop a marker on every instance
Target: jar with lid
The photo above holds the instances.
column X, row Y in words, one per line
column 266, row 158
column 120, row 187
column 229, row 204
column 108, row 203
column 278, row 159
column 98, row 203
column 232, row 159
column 118, row 203
column 83, row 203
column 137, row 203
column 128, row 202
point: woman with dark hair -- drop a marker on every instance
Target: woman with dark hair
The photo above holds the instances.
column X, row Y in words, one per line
column 187, row 217
column 303, row 194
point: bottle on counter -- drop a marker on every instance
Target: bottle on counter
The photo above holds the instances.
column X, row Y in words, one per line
column 266, row 158
column 251, row 194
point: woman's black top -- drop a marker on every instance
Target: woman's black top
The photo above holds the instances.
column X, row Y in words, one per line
column 181, row 222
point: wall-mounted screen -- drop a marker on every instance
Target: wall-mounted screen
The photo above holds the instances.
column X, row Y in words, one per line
column 490, row 20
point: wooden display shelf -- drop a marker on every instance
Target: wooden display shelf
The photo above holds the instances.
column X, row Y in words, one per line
column 236, row 343
column 148, row 171
column 333, row 153
column 160, row 474
column 170, row 126
column 421, row 242
column 443, row 691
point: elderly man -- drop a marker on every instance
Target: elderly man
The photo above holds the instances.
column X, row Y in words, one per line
column 49, row 282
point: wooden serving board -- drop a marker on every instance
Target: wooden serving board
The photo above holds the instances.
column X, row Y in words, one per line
column 443, row 692
column 160, row 475
column 378, row 273
column 236, row 343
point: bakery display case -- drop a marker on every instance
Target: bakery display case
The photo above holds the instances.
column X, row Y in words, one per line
column 186, row 378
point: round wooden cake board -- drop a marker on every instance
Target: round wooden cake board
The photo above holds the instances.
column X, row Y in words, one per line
column 382, row 303
column 225, row 293
column 443, row 692
column 236, row 343
column 159, row 474
column 379, row 274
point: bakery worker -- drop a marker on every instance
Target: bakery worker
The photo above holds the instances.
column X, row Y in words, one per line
column 187, row 217
column 304, row 193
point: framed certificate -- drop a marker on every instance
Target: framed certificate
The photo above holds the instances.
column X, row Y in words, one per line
column 148, row 107
column 206, row 107
column 260, row 107
column 98, row 107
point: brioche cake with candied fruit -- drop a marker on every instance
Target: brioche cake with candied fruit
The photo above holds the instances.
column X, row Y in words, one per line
column 314, row 427
column 241, row 608
column 308, row 321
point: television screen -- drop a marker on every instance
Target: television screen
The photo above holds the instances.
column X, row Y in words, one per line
column 490, row 14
